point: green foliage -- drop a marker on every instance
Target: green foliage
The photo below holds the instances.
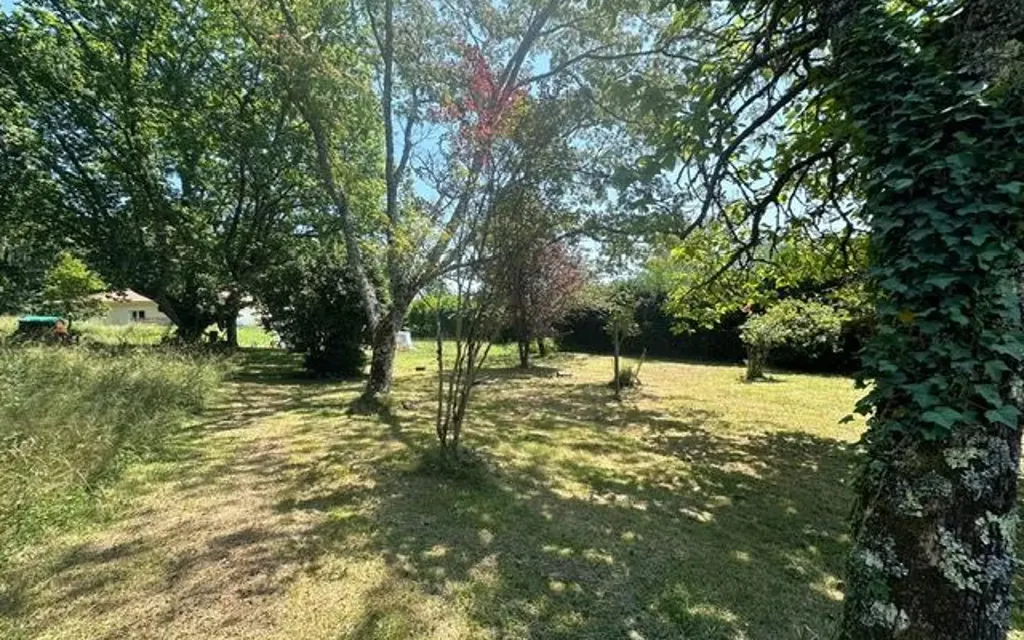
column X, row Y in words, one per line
column 422, row 318
column 946, row 211
column 171, row 144
column 313, row 304
column 70, row 418
column 70, row 288
column 619, row 305
column 809, row 325
column 705, row 279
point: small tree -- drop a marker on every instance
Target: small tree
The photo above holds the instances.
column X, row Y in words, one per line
column 477, row 320
column 70, row 288
column 312, row 303
column 809, row 325
column 621, row 324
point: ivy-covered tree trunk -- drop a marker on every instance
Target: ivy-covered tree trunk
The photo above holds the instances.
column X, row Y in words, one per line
column 943, row 154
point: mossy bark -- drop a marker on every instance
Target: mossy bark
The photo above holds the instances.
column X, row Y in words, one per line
column 933, row 527
column 932, row 557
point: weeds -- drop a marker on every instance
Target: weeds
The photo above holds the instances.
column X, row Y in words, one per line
column 70, row 418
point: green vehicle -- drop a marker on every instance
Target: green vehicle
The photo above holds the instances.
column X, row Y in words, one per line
column 42, row 328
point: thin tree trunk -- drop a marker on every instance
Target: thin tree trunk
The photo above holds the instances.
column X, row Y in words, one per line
column 618, row 381
column 231, row 328
column 542, row 347
column 524, row 353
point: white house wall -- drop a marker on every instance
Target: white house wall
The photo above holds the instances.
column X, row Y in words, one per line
column 121, row 313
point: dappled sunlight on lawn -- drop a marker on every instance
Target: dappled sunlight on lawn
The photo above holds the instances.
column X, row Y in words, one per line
column 700, row 507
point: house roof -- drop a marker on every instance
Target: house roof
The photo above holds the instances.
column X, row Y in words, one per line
column 126, row 295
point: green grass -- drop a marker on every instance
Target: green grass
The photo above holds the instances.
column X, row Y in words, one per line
column 71, row 417
column 700, row 507
column 96, row 332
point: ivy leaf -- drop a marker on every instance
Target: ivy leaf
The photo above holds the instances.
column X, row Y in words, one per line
column 943, row 417
column 990, row 393
column 1006, row 414
column 995, row 369
column 941, row 281
column 1011, row 188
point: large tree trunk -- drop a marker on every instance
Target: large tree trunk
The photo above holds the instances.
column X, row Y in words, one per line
column 934, row 523
column 933, row 545
column 188, row 318
column 382, row 361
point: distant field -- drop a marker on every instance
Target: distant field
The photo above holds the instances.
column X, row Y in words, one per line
column 142, row 333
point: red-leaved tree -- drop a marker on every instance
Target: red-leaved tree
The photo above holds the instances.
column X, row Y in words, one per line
column 485, row 109
column 538, row 276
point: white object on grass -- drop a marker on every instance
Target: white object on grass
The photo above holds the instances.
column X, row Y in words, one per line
column 403, row 340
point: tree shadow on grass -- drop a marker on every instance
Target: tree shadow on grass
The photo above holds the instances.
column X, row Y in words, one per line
column 595, row 519
column 673, row 531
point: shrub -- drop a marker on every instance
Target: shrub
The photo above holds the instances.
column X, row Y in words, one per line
column 70, row 417
column 69, row 287
column 422, row 318
column 584, row 331
column 811, row 326
column 314, row 305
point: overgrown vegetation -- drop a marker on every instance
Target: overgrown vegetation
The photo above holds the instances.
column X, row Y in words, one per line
column 70, row 418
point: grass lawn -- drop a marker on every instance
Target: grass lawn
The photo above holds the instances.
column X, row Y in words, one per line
column 700, row 508
column 141, row 333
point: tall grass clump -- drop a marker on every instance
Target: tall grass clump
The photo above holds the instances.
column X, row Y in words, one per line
column 71, row 417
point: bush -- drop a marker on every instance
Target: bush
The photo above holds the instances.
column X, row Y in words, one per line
column 69, row 418
column 811, row 326
column 314, row 305
column 422, row 318
column 583, row 331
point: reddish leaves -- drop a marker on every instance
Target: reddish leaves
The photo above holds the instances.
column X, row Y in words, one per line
column 485, row 109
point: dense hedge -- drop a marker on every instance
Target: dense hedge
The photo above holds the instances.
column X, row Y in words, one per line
column 583, row 331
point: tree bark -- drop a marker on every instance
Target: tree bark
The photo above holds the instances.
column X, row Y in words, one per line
column 524, row 353
column 933, row 545
column 382, row 361
column 231, row 328
column 542, row 347
column 618, row 382
column 934, row 523
column 755, row 364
